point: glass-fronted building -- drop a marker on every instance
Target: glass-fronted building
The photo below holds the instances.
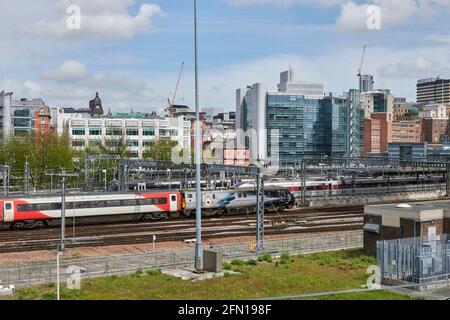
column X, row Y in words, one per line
column 301, row 124
column 298, row 123
column 17, row 117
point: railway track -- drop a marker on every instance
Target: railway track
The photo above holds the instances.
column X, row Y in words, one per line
column 289, row 222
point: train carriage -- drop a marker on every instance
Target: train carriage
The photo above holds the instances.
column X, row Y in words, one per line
column 35, row 211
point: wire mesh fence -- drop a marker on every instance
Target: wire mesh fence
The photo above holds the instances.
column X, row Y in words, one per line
column 44, row 273
column 419, row 260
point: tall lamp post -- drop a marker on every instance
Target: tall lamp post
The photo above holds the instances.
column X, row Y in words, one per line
column 198, row 189
column 63, row 175
column 104, row 171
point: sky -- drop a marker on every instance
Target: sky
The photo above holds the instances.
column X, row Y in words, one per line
column 130, row 51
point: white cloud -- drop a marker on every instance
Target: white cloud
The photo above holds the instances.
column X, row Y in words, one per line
column 285, row 2
column 69, row 71
column 33, row 89
column 104, row 19
column 441, row 38
column 353, row 16
column 336, row 69
column 412, row 67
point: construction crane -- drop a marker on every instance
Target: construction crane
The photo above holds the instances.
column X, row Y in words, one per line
column 172, row 101
column 361, row 67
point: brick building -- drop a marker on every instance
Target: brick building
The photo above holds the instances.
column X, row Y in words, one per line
column 398, row 221
column 406, row 131
column 236, row 157
column 376, row 133
column 435, row 131
column 42, row 124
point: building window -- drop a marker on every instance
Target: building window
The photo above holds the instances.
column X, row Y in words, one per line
column 132, row 132
column 78, row 143
column 133, row 143
column 22, row 113
column 22, row 122
column 95, row 131
column 78, row 132
column 113, row 132
column 148, row 132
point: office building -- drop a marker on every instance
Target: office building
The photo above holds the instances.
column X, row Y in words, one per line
column 295, row 122
column 23, row 116
column 5, row 112
column 378, row 101
column 408, row 131
column 433, row 90
column 138, row 134
column 376, row 133
column 366, row 83
column 404, row 151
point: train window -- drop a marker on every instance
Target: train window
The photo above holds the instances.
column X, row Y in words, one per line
column 173, row 198
column 214, row 196
column 82, row 205
column 114, row 203
column 38, row 207
column 144, row 202
column 189, row 195
column 8, row 206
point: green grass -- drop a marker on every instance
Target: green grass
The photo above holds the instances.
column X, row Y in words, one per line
column 290, row 275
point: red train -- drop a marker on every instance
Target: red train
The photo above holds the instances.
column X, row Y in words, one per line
column 29, row 212
column 38, row 211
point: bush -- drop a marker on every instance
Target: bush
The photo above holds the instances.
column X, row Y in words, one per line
column 237, row 262
column 226, row 266
column 267, row 257
column 251, row 262
column 138, row 273
column 154, row 272
column 284, row 258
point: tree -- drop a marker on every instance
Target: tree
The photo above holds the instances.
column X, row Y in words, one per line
column 116, row 146
column 49, row 153
column 160, row 149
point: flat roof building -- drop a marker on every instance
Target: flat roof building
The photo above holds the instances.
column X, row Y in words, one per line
column 433, row 90
column 298, row 121
column 406, row 220
column 137, row 134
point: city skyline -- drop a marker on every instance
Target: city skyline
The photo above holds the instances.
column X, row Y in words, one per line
column 135, row 63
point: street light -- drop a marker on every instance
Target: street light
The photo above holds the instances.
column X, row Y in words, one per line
column 63, row 175
column 104, row 171
column 198, row 190
column 170, row 179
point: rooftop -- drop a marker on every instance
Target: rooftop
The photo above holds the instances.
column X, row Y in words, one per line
column 419, row 211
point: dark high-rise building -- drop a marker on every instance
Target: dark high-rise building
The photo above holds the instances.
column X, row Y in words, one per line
column 433, row 90
column 95, row 106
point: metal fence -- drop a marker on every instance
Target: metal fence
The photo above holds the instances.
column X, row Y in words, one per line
column 419, row 260
column 115, row 265
column 318, row 195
